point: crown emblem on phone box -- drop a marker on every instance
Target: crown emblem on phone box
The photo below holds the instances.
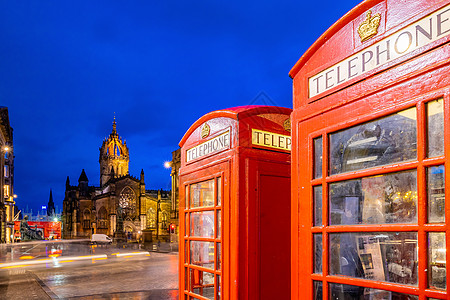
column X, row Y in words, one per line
column 369, row 27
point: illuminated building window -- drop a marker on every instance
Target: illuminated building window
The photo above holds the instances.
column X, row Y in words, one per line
column 6, row 191
column 151, row 218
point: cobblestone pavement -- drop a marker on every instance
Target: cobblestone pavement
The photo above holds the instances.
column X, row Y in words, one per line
column 20, row 284
column 125, row 277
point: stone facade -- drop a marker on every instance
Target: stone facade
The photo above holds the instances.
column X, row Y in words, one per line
column 6, row 178
column 120, row 196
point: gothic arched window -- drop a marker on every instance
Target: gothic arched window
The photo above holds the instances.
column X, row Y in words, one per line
column 151, row 218
column 127, row 200
column 86, row 219
column 102, row 218
column 164, row 220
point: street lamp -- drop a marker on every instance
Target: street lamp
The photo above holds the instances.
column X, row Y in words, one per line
column 167, row 164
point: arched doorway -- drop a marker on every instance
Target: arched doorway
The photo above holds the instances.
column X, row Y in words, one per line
column 130, row 229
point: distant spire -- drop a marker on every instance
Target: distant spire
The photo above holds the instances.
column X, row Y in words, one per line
column 50, row 205
column 67, row 183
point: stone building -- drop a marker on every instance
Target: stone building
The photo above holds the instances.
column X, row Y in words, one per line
column 6, row 177
column 120, row 202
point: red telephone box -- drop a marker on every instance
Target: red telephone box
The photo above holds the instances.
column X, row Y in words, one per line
column 235, row 205
column 371, row 154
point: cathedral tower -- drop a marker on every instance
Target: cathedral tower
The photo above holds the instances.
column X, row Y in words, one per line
column 114, row 157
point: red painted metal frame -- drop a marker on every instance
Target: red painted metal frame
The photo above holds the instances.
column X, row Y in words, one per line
column 409, row 81
column 238, row 167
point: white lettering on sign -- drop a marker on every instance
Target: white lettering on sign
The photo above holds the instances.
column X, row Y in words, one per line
column 271, row 140
column 213, row 145
column 410, row 38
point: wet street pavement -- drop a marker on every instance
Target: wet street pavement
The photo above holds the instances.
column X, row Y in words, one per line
column 79, row 271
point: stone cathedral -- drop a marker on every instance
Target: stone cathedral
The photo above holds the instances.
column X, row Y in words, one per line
column 120, row 202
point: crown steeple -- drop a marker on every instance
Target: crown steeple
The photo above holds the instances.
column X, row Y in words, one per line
column 114, row 156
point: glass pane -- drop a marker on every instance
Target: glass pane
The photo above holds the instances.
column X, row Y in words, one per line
column 318, row 206
column 351, row 292
column 186, row 279
column 202, row 254
column 202, row 194
column 436, row 260
column 436, row 194
column 384, row 141
column 202, row 283
column 218, row 287
column 383, row 199
column 202, row 224
column 186, row 224
column 219, row 191
column 219, row 257
column 382, row 256
column 435, row 118
column 318, row 253
column 186, row 190
column 318, row 157
column 186, row 252
column 219, row 224
column 317, row 290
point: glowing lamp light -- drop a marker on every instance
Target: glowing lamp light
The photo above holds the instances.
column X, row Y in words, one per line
column 6, row 148
column 167, row 164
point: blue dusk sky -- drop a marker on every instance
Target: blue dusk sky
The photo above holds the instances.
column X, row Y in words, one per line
column 68, row 66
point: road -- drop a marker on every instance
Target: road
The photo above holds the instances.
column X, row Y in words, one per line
column 79, row 271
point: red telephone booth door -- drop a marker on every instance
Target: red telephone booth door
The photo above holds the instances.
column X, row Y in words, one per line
column 274, row 189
